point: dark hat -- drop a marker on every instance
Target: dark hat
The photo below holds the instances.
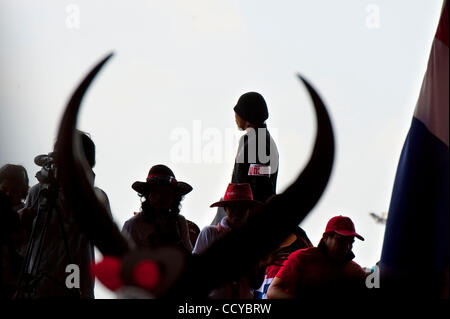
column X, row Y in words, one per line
column 237, row 193
column 161, row 175
column 343, row 226
column 252, row 107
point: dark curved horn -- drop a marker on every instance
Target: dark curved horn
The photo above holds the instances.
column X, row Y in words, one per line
column 313, row 180
column 79, row 195
column 234, row 255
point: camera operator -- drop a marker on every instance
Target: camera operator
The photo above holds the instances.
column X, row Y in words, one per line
column 56, row 240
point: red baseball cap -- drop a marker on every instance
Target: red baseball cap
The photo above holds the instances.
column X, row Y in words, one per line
column 343, row 226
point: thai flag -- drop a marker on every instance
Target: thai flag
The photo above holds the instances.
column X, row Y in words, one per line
column 416, row 242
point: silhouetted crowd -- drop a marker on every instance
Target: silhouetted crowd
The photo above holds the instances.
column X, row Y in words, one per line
column 41, row 238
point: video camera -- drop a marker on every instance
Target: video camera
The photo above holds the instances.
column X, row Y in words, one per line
column 47, row 174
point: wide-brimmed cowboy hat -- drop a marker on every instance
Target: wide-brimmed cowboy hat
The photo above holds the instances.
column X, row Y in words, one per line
column 161, row 175
column 237, row 193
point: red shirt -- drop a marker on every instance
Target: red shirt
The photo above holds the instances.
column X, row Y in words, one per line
column 311, row 270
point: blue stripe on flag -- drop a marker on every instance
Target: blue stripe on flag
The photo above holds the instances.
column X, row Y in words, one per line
column 416, row 242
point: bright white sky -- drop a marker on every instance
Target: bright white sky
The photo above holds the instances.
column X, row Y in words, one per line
column 181, row 65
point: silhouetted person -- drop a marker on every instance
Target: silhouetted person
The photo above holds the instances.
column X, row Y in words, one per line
column 256, row 160
column 57, row 240
column 237, row 202
column 293, row 242
column 326, row 270
column 13, row 191
column 160, row 223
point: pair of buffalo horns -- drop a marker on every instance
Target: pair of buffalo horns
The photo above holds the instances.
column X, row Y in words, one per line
column 230, row 257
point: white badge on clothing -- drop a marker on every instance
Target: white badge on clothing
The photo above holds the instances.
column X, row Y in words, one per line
column 258, row 170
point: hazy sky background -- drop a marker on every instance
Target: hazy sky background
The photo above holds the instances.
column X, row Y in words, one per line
column 181, row 65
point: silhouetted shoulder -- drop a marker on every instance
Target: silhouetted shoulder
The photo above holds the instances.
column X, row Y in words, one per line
column 356, row 269
column 306, row 252
column 206, row 237
column 133, row 220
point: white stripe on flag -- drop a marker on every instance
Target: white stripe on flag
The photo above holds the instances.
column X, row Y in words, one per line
column 433, row 103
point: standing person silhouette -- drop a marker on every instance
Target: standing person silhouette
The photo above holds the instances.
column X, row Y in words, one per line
column 256, row 161
column 57, row 240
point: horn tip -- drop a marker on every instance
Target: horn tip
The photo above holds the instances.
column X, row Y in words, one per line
column 108, row 56
column 301, row 77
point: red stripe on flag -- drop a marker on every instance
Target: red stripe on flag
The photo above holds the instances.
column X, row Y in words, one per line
column 442, row 31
